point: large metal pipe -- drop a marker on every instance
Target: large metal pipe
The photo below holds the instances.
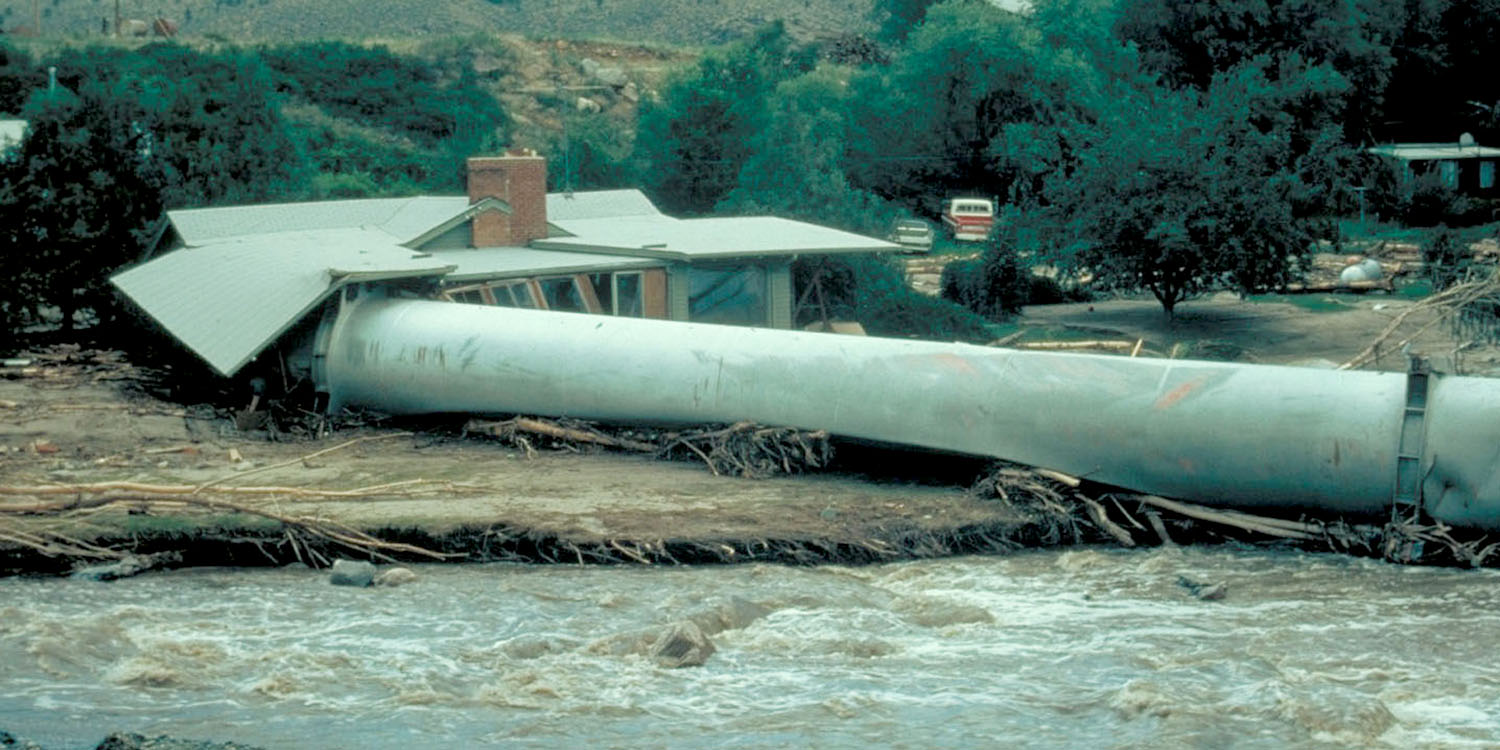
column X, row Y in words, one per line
column 1218, row 433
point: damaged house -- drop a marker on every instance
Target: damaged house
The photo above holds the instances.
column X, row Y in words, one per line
column 233, row 284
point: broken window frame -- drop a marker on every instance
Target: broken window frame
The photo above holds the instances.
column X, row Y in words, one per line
column 530, row 293
column 640, row 293
column 583, row 289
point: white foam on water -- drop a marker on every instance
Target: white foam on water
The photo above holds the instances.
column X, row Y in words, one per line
column 1064, row 648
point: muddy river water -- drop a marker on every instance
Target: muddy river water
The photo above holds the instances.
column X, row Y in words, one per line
column 1050, row 649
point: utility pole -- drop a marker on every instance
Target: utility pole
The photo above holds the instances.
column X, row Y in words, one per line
column 117, row 18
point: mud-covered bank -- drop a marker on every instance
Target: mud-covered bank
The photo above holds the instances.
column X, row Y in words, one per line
column 227, row 546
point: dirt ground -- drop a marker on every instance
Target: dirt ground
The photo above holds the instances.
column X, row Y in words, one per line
column 76, row 425
column 1315, row 330
column 66, row 431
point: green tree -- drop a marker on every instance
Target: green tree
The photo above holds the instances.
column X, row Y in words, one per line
column 591, row 153
column 374, row 85
column 692, row 141
column 939, row 119
column 18, row 78
column 1176, row 192
column 898, row 18
column 796, row 163
column 1436, row 90
column 215, row 127
column 79, row 197
column 1189, row 43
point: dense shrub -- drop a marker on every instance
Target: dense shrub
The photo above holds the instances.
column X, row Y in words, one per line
column 993, row 285
column 1447, row 258
column 1423, row 200
column 872, row 289
column 18, row 78
column 375, row 86
column 1001, row 286
column 213, row 118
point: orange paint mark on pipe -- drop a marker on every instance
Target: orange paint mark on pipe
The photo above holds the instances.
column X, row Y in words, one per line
column 957, row 363
column 1177, row 394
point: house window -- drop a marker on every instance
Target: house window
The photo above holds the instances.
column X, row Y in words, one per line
column 561, row 293
column 604, row 289
column 1449, row 171
column 513, row 294
column 1486, row 175
column 470, row 295
column 627, row 295
column 728, row 295
column 619, row 293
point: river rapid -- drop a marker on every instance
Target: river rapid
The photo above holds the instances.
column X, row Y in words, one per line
column 1051, row 649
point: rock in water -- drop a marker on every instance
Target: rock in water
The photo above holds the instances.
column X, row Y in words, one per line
column 125, row 741
column 9, row 741
column 395, row 577
column 125, row 567
column 682, row 645
column 351, row 573
column 1203, row 590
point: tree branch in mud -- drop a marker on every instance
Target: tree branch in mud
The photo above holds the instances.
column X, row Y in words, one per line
column 1448, row 305
column 308, row 526
column 214, row 496
column 1063, row 505
column 744, row 448
column 96, row 494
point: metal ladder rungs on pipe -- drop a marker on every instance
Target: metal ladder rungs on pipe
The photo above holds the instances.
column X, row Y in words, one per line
column 1406, row 501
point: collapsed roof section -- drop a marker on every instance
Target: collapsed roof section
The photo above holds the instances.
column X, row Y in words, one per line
column 497, row 262
column 661, row 236
column 229, row 300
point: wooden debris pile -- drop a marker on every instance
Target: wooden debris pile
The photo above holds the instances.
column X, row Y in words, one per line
column 1068, row 512
column 742, row 449
column 69, row 364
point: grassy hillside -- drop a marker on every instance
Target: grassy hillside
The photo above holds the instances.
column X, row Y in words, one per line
column 660, row 21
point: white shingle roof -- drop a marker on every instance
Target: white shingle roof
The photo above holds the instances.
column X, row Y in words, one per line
column 229, row 300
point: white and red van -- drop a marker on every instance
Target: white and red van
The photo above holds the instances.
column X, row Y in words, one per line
column 969, row 219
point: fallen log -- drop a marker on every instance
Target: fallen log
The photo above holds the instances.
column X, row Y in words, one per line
column 508, row 428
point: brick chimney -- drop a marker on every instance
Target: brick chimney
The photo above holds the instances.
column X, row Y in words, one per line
column 520, row 179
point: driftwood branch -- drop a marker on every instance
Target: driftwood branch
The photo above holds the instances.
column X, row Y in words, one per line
column 1446, row 305
column 744, row 448
column 1267, row 526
